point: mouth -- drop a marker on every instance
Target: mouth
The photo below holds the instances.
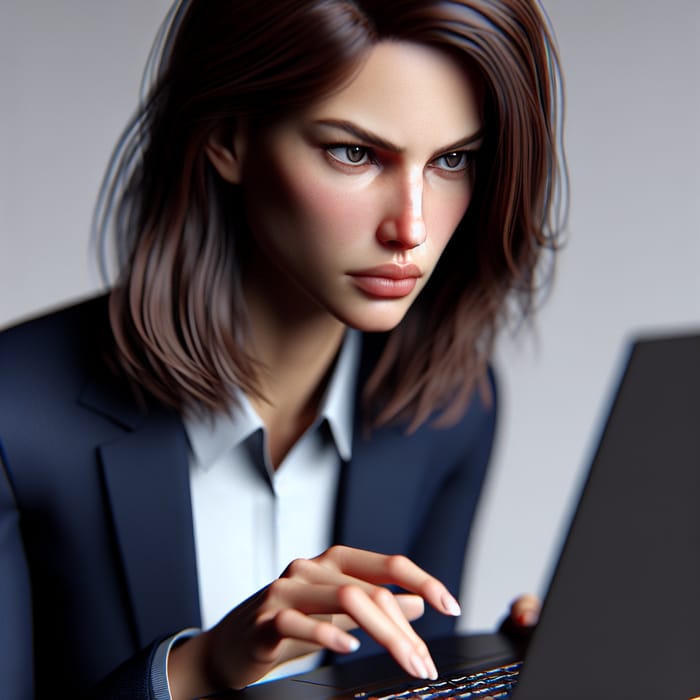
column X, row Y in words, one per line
column 387, row 281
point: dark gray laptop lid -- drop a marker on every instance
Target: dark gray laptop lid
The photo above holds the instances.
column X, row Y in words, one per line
column 622, row 616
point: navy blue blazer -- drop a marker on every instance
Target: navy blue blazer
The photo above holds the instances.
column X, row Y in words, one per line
column 97, row 559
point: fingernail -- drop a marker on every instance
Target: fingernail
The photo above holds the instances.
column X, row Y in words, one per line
column 418, row 668
column 352, row 645
column 432, row 669
column 450, row 605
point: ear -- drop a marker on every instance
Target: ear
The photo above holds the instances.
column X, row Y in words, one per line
column 226, row 150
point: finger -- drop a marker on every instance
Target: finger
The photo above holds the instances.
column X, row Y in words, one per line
column 525, row 610
column 308, row 598
column 377, row 612
column 412, row 607
column 395, row 569
column 315, row 571
column 311, row 571
column 294, row 624
column 323, row 600
column 328, row 571
column 386, row 600
column 408, row 650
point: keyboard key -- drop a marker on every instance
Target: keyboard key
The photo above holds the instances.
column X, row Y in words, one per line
column 493, row 683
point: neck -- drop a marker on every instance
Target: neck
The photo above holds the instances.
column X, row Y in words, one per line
column 296, row 345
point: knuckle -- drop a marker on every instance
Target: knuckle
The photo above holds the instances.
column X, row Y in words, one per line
column 431, row 587
column 323, row 633
column 397, row 564
column 420, row 647
column 382, row 596
column 277, row 589
column 336, row 552
column 283, row 619
column 404, row 647
column 333, row 557
column 349, row 594
column 297, row 568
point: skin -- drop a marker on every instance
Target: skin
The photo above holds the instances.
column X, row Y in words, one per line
column 525, row 610
column 326, row 201
column 350, row 204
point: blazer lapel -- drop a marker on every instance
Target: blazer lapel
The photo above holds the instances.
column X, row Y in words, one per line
column 383, row 481
column 146, row 475
column 381, row 489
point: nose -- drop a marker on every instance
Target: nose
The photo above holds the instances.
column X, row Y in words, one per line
column 403, row 225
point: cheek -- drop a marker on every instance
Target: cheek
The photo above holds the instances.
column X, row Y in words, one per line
column 307, row 224
column 446, row 213
column 326, row 211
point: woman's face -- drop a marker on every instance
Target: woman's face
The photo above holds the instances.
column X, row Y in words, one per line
column 351, row 202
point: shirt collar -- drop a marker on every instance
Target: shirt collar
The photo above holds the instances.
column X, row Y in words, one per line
column 211, row 436
column 338, row 403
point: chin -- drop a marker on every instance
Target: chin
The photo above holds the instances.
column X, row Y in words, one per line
column 376, row 321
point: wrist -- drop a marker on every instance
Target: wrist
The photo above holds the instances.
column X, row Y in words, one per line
column 188, row 669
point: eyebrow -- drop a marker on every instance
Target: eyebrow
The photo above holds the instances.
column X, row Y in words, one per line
column 378, row 142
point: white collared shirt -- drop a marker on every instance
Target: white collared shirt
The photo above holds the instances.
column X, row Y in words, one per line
column 251, row 521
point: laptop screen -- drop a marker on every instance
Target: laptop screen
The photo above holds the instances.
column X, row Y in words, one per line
column 622, row 616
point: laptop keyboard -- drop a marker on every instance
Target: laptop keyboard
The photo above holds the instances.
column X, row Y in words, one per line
column 491, row 683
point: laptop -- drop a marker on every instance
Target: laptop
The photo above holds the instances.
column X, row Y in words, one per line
column 622, row 615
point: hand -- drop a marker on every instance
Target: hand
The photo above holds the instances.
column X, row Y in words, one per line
column 525, row 611
column 523, row 616
column 311, row 606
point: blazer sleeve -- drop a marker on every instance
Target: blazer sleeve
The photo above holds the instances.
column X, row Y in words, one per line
column 16, row 653
column 131, row 680
column 65, row 615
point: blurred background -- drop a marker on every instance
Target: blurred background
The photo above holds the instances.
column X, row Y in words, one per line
column 69, row 79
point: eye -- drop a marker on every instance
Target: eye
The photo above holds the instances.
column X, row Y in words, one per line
column 350, row 154
column 456, row 161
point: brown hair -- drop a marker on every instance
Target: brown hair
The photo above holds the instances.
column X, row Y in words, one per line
column 176, row 309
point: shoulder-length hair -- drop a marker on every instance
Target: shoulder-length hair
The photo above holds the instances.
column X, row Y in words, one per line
column 176, row 308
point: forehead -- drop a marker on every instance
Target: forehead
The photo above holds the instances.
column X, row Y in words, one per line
column 405, row 89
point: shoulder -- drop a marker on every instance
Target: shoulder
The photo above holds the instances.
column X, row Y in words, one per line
column 67, row 338
column 440, row 443
column 478, row 415
column 474, row 428
column 45, row 364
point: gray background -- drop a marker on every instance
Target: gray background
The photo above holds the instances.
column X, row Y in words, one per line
column 69, row 79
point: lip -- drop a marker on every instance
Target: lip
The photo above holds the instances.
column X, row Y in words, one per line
column 390, row 271
column 387, row 281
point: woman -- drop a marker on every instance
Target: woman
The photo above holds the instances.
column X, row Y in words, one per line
column 320, row 213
